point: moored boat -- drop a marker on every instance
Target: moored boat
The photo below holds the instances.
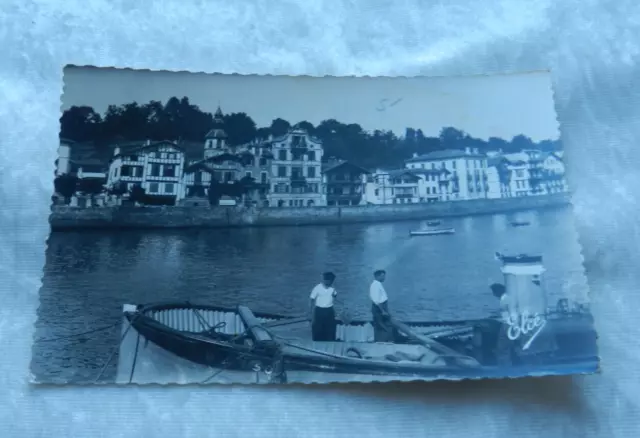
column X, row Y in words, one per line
column 432, row 232
column 561, row 340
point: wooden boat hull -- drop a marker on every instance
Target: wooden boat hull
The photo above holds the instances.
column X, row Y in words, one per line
column 433, row 232
column 234, row 349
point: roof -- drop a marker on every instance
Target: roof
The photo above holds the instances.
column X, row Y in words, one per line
column 331, row 166
column 445, row 154
column 136, row 146
column 400, row 172
column 216, row 133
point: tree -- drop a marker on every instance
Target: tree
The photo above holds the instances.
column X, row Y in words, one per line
column 240, row 128
column 521, row 142
column 452, row 138
column 80, row 123
column 66, row 186
column 279, row 127
column 307, row 126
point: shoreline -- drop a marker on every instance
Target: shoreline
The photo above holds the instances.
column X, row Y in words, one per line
column 64, row 218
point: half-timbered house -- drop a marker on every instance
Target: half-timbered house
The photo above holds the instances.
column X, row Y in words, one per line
column 157, row 167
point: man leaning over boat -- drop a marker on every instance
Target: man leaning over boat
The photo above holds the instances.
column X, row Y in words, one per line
column 382, row 328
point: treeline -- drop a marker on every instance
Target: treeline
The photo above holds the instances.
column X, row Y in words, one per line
column 178, row 119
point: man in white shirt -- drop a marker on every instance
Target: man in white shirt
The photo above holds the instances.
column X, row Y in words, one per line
column 383, row 330
column 323, row 320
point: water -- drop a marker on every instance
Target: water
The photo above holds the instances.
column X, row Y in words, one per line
column 89, row 275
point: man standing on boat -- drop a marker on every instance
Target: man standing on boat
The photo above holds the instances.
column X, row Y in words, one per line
column 382, row 328
column 323, row 319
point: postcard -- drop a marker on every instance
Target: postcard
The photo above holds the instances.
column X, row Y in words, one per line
column 212, row 228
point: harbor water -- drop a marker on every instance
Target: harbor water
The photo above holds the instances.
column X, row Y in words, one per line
column 89, row 275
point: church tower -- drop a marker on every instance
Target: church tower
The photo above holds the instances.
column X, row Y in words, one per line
column 216, row 139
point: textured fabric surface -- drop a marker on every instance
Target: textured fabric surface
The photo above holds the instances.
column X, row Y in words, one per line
column 592, row 47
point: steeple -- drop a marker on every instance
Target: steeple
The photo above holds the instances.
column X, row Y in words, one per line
column 215, row 140
column 217, row 117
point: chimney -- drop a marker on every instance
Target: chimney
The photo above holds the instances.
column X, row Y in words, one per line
column 467, row 150
column 116, row 151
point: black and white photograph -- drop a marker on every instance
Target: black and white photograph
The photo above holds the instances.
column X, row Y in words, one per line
column 214, row 228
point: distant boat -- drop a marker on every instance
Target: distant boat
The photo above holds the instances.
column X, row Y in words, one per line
column 433, row 232
column 520, row 223
column 433, row 223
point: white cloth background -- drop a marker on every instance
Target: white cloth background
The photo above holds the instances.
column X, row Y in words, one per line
column 592, row 47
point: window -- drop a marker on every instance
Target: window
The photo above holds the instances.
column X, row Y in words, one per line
column 519, row 173
column 282, row 171
column 153, row 188
column 453, row 164
column 312, row 155
column 152, row 154
column 376, row 192
column 282, row 155
column 311, row 172
column 168, row 188
column 155, row 170
column 296, row 172
column 263, row 177
column 171, row 156
column 422, row 165
column 291, row 203
column 433, row 166
column 169, row 171
column 248, row 174
column 228, row 176
column 263, row 161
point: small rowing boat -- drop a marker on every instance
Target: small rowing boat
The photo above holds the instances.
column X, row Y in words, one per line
column 433, row 232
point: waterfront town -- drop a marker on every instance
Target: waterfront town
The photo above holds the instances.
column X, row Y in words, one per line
column 291, row 170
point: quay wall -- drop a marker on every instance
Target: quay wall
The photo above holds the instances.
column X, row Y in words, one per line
column 65, row 218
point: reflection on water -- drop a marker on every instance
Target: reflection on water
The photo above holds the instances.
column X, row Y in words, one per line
column 90, row 275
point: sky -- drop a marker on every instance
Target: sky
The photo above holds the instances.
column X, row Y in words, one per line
column 483, row 106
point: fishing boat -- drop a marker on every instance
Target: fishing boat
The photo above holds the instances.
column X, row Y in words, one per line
column 432, row 232
column 559, row 340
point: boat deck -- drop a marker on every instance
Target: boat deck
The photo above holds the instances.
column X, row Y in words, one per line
column 188, row 320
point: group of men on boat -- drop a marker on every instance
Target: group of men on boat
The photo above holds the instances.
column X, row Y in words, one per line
column 323, row 315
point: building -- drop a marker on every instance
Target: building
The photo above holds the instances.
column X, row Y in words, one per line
column 229, row 164
column 393, row 187
column 437, row 184
column 157, row 167
column 87, row 165
column 344, row 183
column 553, row 173
column 467, row 177
column 296, row 176
column 63, row 162
column 516, row 175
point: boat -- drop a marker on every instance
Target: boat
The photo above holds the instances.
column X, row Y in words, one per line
column 560, row 340
column 520, row 223
column 433, row 223
column 433, row 232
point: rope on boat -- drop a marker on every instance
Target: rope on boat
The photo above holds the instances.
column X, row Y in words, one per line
column 223, row 368
column 78, row 334
column 117, row 347
column 135, row 359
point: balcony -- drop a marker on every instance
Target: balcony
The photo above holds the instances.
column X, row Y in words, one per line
column 298, row 181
